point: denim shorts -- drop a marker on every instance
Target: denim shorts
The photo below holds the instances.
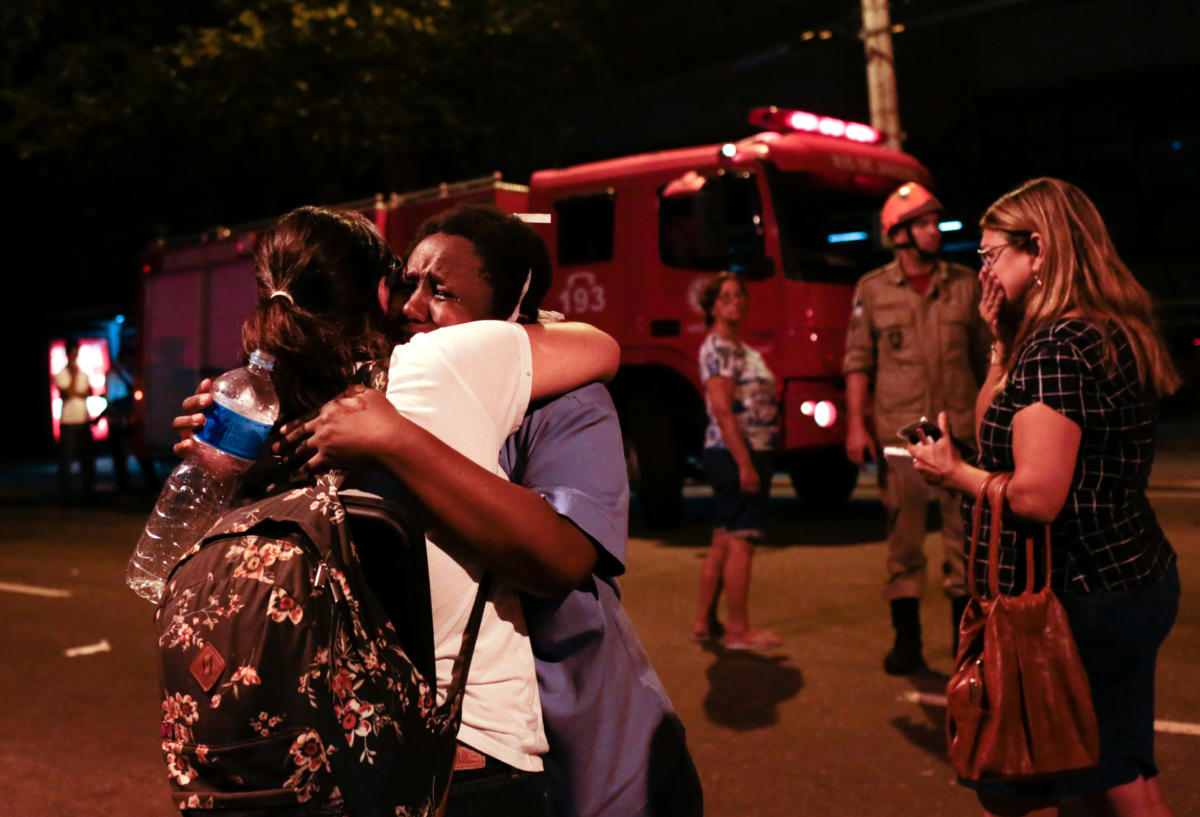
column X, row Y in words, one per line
column 734, row 511
column 1118, row 634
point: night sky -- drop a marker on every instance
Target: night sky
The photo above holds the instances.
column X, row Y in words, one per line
column 1100, row 92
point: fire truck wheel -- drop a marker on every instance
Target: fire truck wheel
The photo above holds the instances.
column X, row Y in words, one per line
column 823, row 478
column 655, row 466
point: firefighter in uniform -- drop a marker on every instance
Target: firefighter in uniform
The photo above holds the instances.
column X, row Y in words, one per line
column 916, row 338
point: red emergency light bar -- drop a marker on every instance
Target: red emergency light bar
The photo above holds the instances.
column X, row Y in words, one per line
column 782, row 120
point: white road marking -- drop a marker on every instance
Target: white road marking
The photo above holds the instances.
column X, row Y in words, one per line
column 32, row 590
column 1177, row 728
column 1166, row 727
column 1172, row 492
column 924, row 698
column 88, row 649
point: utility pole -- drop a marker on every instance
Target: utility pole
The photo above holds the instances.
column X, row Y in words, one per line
column 881, row 71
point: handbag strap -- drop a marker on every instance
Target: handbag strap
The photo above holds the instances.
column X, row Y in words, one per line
column 1029, row 560
column 996, row 488
column 976, row 527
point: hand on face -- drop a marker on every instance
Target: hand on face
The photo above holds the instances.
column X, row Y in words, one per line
column 991, row 302
column 351, row 429
column 936, row 459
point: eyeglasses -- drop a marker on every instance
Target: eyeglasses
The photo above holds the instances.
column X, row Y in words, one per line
column 988, row 255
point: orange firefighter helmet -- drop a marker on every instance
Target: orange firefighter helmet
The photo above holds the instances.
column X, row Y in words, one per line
column 907, row 202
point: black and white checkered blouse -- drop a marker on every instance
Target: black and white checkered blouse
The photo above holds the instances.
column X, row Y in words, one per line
column 1106, row 537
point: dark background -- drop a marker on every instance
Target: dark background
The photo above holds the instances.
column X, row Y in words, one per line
column 138, row 120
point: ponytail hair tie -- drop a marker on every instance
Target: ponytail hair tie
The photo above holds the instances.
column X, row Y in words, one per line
column 279, row 293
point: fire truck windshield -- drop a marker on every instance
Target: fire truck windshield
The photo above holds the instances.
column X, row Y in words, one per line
column 825, row 235
column 713, row 223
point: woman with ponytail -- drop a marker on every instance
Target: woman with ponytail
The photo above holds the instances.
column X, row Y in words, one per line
column 316, row 271
column 1069, row 407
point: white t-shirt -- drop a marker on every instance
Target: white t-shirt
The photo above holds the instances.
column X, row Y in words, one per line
column 469, row 385
column 74, row 406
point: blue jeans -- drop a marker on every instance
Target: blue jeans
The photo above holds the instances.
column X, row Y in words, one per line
column 497, row 790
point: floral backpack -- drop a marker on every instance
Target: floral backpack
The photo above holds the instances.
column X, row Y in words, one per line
column 285, row 686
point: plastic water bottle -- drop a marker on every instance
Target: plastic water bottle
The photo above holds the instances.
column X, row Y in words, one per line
column 199, row 490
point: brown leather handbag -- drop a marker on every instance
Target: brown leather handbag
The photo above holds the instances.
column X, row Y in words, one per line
column 1019, row 705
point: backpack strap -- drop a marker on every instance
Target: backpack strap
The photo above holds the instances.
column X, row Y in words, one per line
column 375, row 375
column 462, row 664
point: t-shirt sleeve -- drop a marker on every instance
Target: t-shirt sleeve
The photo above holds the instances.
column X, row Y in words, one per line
column 570, row 452
column 716, row 359
column 1055, row 374
column 469, row 385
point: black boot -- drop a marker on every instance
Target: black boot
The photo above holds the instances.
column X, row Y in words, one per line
column 905, row 657
column 958, row 605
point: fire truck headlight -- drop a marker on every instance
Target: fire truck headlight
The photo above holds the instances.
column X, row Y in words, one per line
column 824, row 414
column 807, row 408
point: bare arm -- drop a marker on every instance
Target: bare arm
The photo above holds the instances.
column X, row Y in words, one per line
column 565, row 356
column 1045, row 449
column 510, row 528
column 720, row 402
column 569, row 355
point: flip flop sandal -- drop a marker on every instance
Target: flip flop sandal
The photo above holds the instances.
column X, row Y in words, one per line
column 753, row 641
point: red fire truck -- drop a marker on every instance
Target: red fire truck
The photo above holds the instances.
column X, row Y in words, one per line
column 793, row 209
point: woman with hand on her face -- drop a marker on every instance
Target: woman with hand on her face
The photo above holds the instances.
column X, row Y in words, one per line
column 739, row 447
column 1069, row 407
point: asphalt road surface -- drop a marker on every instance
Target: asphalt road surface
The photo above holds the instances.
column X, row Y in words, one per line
column 816, row 728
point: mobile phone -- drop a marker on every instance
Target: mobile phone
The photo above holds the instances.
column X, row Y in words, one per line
column 909, row 432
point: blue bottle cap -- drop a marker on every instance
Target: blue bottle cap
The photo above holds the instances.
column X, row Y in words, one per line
column 264, row 359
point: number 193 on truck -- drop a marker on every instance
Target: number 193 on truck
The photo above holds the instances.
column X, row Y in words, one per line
column 794, row 211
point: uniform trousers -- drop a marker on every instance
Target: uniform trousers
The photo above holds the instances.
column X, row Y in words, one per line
column 906, row 496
